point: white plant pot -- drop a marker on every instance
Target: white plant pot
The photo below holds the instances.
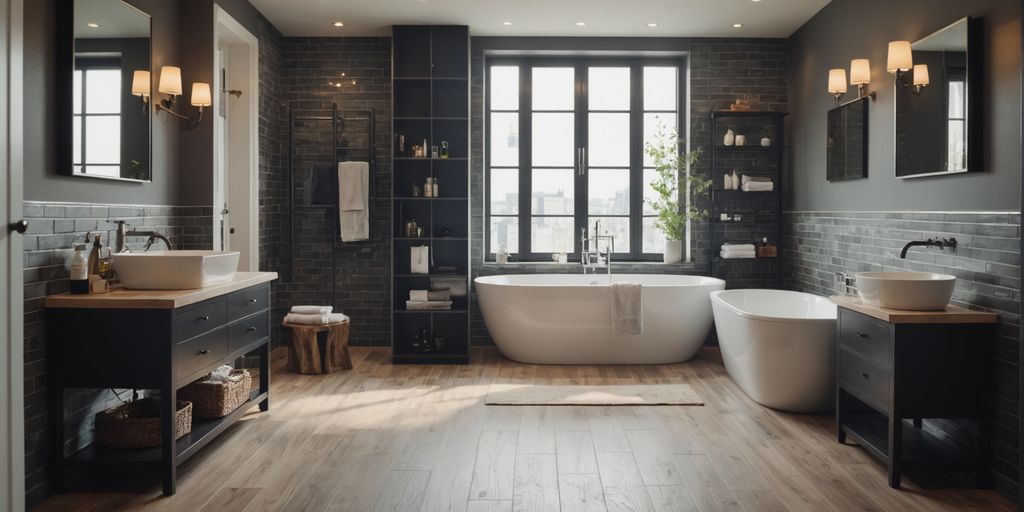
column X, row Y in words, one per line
column 673, row 251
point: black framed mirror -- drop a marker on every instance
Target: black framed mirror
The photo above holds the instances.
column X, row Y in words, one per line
column 938, row 104
column 103, row 85
column 847, row 145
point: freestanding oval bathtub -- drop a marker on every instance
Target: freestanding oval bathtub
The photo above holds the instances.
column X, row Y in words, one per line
column 779, row 346
column 566, row 318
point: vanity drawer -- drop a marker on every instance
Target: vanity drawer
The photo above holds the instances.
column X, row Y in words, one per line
column 248, row 330
column 246, row 302
column 866, row 336
column 864, row 376
column 194, row 320
column 192, row 355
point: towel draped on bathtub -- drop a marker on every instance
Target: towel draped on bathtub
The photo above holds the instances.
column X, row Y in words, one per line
column 627, row 309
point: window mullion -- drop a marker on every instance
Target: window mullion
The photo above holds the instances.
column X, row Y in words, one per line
column 525, row 157
column 636, row 159
column 582, row 134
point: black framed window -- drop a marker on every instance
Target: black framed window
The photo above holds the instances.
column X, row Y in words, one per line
column 96, row 109
column 564, row 148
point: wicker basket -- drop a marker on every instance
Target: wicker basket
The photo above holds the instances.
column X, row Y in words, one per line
column 217, row 399
column 137, row 424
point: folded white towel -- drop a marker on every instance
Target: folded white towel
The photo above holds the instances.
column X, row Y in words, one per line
column 311, row 310
column 413, row 305
column 337, row 318
column 755, row 179
column 627, row 309
column 429, row 295
column 353, row 199
column 737, row 255
column 758, row 186
column 738, row 248
column 456, row 286
column 295, row 318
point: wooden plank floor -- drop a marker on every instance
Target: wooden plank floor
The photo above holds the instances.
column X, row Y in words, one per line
column 410, row 438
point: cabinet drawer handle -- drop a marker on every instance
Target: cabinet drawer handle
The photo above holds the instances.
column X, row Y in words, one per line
column 202, row 352
column 863, row 335
column 204, row 317
column 865, row 375
column 251, row 329
column 252, row 301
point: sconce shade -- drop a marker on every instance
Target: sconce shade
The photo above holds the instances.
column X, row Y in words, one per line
column 170, row 80
column 140, row 83
column 901, row 57
column 860, row 72
column 201, row 95
column 837, row 81
column 921, row 74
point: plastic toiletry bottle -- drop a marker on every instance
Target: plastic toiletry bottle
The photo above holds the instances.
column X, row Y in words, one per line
column 79, row 271
column 436, row 190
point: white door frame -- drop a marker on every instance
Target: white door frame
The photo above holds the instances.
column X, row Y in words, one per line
column 12, row 393
column 250, row 95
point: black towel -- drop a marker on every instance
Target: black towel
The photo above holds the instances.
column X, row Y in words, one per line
column 322, row 187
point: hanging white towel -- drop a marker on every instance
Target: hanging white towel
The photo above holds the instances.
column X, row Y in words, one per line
column 353, row 200
column 419, row 259
column 311, row 310
column 627, row 309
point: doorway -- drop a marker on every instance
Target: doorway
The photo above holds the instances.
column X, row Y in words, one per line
column 236, row 141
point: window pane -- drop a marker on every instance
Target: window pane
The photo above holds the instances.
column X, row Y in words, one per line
column 505, row 139
column 504, row 191
column 553, row 192
column 102, row 140
column 658, row 129
column 608, row 140
column 956, row 100
column 505, row 87
column 76, row 137
column 551, row 234
column 649, row 193
column 102, row 170
column 608, row 88
column 554, row 88
column 617, row 227
column 103, row 91
column 76, row 88
column 505, row 232
column 654, row 239
column 955, row 146
column 608, row 191
column 554, row 139
column 660, row 90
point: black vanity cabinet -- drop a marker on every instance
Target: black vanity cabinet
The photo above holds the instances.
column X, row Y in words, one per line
column 158, row 341
column 896, row 368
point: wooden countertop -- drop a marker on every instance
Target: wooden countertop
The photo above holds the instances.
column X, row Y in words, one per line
column 158, row 299
column 952, row 314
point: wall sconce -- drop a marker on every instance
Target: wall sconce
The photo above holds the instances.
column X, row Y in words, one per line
column 860, row 74
column 201, row 98
column 141, row 87
column 170, row 84
column 920, row 78
column 837, row 83
column 901, row 59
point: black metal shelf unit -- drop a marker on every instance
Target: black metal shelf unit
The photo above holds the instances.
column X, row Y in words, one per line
column 430, row 95
column 760, row 212
column 351, row 138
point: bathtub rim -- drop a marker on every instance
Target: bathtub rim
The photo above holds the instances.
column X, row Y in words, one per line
column 716, row 300
column 486, row 280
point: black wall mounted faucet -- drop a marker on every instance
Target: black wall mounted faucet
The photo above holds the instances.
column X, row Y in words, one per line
column 941, row 244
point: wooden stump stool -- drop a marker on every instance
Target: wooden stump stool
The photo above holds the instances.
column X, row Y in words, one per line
column 306, row 356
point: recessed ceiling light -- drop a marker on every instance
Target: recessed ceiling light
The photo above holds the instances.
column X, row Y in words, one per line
column 652, row 25
column 507, row 23
column 737, row 25
column 92, row 25
column 581, row 23
column 338, row 24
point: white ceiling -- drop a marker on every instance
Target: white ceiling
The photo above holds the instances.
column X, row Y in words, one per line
column 619, row 18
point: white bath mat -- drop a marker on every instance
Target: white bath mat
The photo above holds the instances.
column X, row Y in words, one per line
column 634, row 394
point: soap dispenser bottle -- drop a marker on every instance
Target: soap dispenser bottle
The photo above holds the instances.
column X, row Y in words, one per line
column 79, row 271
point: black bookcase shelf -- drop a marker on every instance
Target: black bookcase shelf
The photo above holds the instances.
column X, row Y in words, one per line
column 761, row 211
column 430, row 85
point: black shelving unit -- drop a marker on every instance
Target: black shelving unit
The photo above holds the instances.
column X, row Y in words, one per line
column 761, row 212
column 430, row 95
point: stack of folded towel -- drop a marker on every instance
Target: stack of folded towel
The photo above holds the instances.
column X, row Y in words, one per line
column 738, row 251
column 757, row 184
column 313, row 315
column 420, row 300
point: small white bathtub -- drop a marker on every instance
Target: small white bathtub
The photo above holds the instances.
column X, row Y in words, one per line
column 779, row 346
column 566, row 319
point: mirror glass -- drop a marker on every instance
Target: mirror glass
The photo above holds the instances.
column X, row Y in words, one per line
column 847, row 157
column 110, row 125
column 933, row 108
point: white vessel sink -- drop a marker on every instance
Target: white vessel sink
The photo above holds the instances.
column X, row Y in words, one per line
column 174, row 270
column 916, row 291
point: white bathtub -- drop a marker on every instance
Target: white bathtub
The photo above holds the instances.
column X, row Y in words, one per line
column 566, row 319
column 779, row 346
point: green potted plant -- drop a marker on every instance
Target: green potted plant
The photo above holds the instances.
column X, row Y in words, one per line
column 672, row 182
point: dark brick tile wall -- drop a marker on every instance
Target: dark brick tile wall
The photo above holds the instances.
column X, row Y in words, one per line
column 986, row 263
column 721, row 70
column 53, row 228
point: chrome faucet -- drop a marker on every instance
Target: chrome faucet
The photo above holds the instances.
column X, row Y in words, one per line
column 591, row 256
column 121, row 245
column 941, row 244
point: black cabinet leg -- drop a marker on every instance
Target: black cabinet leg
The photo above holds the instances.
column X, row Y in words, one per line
column 265, row 375
column 168, row 448
column 895, row 451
